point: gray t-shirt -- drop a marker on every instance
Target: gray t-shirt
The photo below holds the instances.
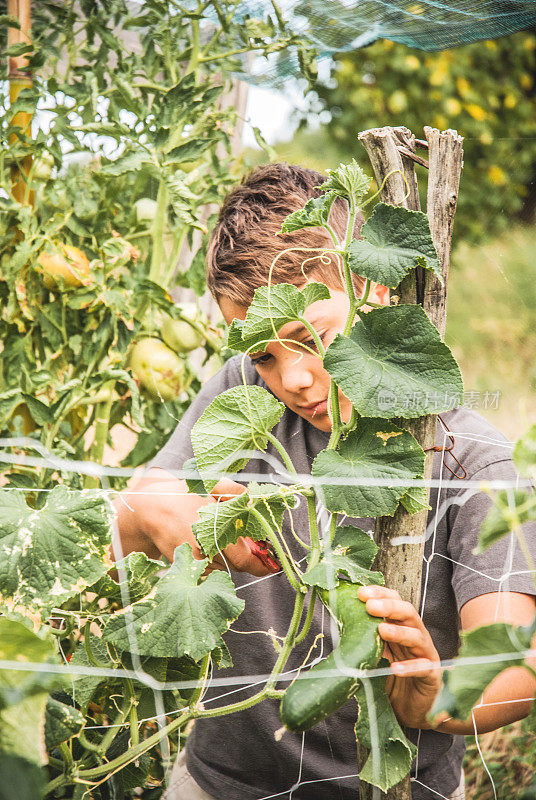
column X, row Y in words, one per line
column 237, row 757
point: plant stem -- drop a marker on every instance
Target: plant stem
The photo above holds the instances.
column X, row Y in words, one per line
column 288, row 643
column 285, row 563
column 102, row 419
column 308, row 619
column 282, row 452
column 317, row 340
column 157, row 233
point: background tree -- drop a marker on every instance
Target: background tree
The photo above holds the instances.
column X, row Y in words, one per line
column 485, row 91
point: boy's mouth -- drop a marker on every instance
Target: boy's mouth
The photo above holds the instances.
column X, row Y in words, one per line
column 314, row 409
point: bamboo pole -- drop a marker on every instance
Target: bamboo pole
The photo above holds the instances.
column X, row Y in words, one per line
column 19, row 78
column 395, row 149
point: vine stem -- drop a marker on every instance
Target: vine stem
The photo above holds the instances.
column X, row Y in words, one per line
column 157, row 232
column 285, row 563
column 102, row 420
column 282, row 452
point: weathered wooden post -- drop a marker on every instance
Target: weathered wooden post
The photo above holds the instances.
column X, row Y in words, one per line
column 19, row 78
column 393, row 150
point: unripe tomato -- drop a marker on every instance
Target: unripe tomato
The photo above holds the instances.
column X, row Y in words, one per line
column 67, row 262
column 43, row 166
column 145, row 209
column 160, row 371
column 28, row 424
column 180, row 335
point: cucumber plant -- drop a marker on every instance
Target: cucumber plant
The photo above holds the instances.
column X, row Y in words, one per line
column 107, row 658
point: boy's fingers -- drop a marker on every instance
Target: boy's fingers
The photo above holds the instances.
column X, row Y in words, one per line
column 417, row 668
column 399, row 634
column 242, row 559
column 398, row 610
column 368, row 592
column 225, row 489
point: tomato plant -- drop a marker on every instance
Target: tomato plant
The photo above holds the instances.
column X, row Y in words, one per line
column 130, row 143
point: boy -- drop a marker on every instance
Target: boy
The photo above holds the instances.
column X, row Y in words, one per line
column 236, row 757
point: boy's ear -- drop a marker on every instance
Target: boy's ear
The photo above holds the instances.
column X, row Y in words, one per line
column 379, row 294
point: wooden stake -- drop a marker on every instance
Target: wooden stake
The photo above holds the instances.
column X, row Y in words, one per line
column 20, row 78
column 388, row 150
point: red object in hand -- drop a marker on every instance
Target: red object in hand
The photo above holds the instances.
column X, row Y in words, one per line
column 264, row 553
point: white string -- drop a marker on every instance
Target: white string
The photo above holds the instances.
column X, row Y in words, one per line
column 249, row 681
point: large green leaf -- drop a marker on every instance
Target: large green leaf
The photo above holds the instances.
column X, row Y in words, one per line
column 62, row 722
column 20, row 779
column 352, row 552
column 271, row 308
column 141, row 575
column 464, row 684
column 525, row 454
column 395, row 364
column 510, row 510
column 23, row 693
column 395, row 240
column 18, row 642
column 375, row 449
column 391, row 752
column 52, row 554
column 236, row 420
column 185, row 616
column 223, row 523
column 349, row 181
column 315, row 213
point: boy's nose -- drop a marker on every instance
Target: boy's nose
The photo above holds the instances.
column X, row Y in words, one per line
column 296, row 374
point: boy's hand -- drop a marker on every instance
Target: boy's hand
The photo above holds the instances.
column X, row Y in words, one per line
column 415, row 680
column 157, row 516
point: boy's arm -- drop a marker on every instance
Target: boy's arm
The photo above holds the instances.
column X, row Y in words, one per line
column 156, row 515
column 416, row 679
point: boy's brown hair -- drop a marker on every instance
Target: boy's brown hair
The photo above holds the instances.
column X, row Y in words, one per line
column 243, row 245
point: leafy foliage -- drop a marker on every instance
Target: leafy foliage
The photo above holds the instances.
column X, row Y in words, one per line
column 393, row 243
column 483, row 90
column 236, row 421
column 373, row 450
column 395, row 364
column 183, row 617
column 273, row 307
column 391, row 752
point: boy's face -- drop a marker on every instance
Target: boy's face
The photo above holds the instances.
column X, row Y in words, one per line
column 295, row 375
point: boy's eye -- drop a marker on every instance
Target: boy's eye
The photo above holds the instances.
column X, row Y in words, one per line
column 261, row 359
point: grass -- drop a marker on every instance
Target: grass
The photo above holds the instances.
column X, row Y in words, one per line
column 491, row 327
column 509, row 755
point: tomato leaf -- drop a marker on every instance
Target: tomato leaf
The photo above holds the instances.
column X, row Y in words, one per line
column 185, row 616
column 525, row 454
column 395, row 364
column 352, row 552
column 236, row 421
column 391, row 752
column 23, row 694
column 52, row 554
column 373, row 450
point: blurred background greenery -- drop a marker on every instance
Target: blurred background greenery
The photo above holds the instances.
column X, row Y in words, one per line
column 487, row 92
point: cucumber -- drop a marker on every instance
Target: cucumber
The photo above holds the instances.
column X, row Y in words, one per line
column 311, row 699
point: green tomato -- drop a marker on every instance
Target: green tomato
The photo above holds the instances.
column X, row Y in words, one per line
column 180, row 335
column 160, row 371
column 43, row 166
column 145, row 209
